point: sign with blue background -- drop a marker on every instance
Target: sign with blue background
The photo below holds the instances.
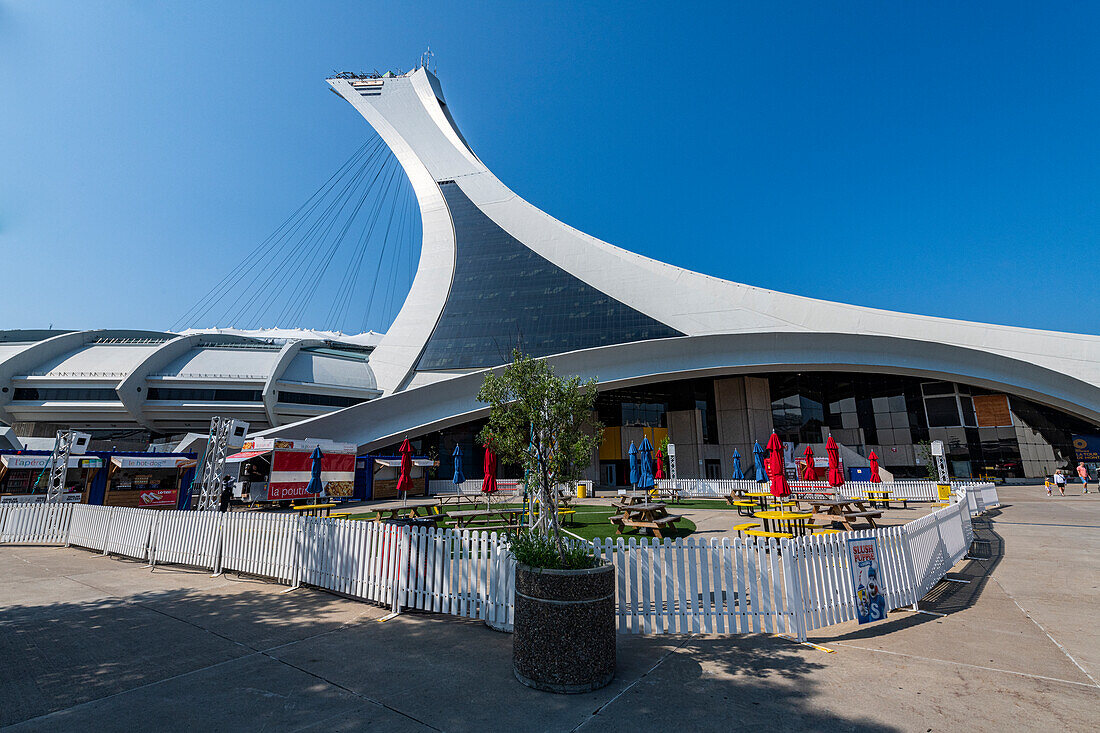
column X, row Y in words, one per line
column 867, row 579
column 1087, row 447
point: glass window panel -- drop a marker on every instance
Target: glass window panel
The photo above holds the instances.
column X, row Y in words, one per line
column 504, row 296
column 943, row 412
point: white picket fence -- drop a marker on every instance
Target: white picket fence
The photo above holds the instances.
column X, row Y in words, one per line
column 691, row 586
column 695, row 488
column 506, row 487
column 688, row 585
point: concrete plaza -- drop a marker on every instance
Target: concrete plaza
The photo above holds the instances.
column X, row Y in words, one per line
column 97, row 643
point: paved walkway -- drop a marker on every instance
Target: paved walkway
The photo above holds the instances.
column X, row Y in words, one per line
column 95, row 643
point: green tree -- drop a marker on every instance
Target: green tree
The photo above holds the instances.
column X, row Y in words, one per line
column 544, row 423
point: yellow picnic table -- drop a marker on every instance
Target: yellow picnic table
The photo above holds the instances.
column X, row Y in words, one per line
column 314, row 510
column 795, row 521
column 878, row 498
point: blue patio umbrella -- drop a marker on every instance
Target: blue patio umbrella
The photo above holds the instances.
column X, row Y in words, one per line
column 758, row 458
column 645, row 465
column 314, row 486
column 738, row 474
column 459, row 478
column 633, row 453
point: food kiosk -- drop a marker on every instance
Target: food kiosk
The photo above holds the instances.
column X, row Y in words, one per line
column 24, row 476
column 275, row 469
column 147, row 480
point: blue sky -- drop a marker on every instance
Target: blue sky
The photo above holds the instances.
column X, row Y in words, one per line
column 939, row 158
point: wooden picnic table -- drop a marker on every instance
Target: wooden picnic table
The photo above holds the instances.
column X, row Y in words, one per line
column 314, row 510
column 406, row 512
column 511, row 518
column 845, row 512
column 653, row 516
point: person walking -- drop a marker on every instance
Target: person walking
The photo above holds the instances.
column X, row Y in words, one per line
column 1083, row 472
column 1060, row 481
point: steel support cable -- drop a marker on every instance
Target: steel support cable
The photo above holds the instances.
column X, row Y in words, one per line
column 305, row 270
column 395, row 266
column 229, row 278
column 380, row 200
column 356, row 270
column 296, row 312
column 278, row 251
column 351, row 278
column 374, row 284
column 346, row 287
column 297, row 251
column 293, row 259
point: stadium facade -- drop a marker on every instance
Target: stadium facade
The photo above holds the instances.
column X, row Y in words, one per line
column 125, row 386
column 711, row 363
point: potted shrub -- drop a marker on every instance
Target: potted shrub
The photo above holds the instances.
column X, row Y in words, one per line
column 564, row 622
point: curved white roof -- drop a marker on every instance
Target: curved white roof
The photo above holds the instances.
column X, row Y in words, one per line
column 170, row 382
column 223, row 362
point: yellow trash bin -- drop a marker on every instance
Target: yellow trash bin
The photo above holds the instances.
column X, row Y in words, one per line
column 582, row 491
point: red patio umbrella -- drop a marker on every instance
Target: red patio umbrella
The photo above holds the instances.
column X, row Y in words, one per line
column 810, row 472
column 774, row 465
column 836, row 476
column 404, row 480
column 489, row 467
column 874, row 468
column 660, row 474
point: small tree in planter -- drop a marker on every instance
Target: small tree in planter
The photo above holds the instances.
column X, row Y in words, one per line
column 564, row 622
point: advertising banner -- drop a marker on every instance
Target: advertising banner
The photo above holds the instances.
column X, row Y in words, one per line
column 867, row 579
column 158, row 497
column 1087, row 448
column 70, row 498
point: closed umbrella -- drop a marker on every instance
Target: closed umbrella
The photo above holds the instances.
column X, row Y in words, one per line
column 660, row 474
column 738, row 473
column 404, row 480
column 458, row 479
column 875, row 479
column 489, row 467
column 775, row 467
column 835, row 475
column 633, row 455
column 645, row 465
column 758, row 459
column 314, row 486
column 810, row 472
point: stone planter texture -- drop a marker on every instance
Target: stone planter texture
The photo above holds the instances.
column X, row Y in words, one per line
column 564, row 628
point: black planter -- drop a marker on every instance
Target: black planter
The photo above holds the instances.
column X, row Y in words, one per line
column 564, row 628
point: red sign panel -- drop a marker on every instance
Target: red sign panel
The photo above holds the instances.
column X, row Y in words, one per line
column 158, row 497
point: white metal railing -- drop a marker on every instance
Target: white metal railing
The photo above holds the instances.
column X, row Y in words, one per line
column 506, row 487
column 673, row 586
column 35, row 523
column 695, row 488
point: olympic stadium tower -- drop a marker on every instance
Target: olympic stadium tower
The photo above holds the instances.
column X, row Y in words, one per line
column 710, row 363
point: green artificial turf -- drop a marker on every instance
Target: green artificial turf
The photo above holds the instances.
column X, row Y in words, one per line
column 590, row 521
